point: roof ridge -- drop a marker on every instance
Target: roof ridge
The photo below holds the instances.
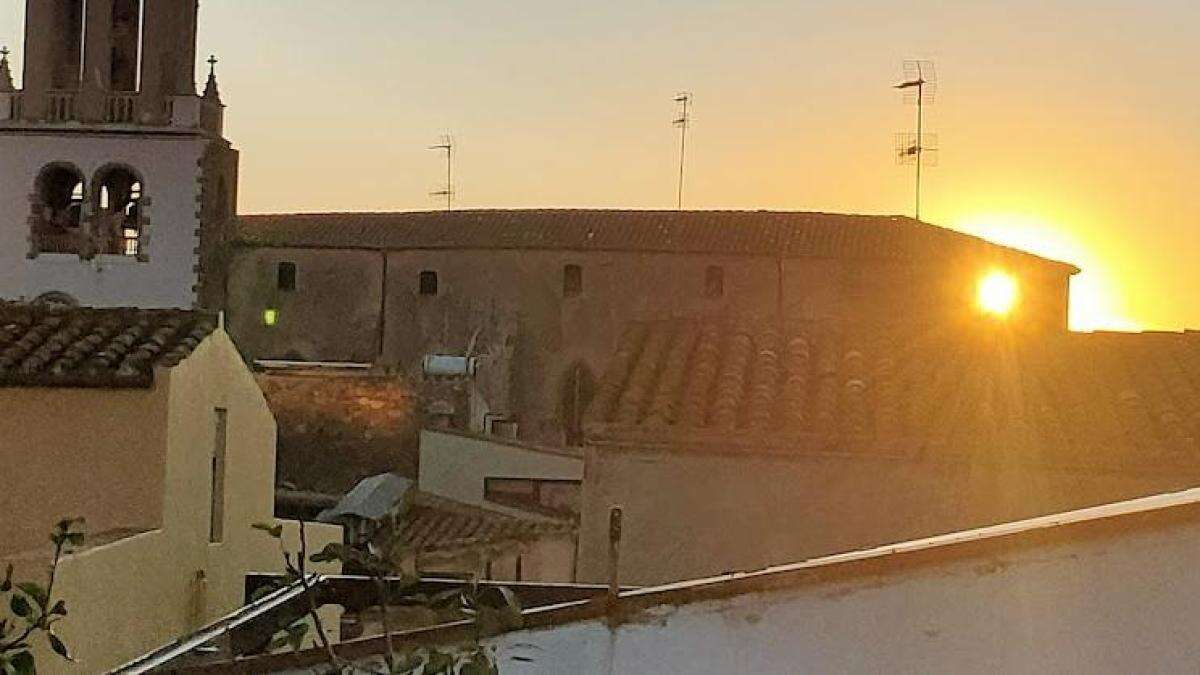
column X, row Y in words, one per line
column 795, row 234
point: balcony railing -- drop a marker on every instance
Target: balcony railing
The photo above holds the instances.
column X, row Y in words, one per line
column 184, row 112
column 60, row 106
column 118, row 108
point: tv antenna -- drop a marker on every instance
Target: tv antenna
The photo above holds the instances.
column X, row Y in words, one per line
column 446, row 145
column 919, row 87
column 682, row 122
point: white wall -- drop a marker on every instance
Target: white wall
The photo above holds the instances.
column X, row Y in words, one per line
column 1124, row 602
column 456, row 465
column 168, row 165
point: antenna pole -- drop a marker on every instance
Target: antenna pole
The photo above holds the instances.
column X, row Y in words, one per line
column 683, row 121
column 920, row 145
column 447, row 146
column 921, row 83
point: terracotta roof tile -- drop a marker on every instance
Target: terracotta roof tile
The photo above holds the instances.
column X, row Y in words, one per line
column 83, row 347
column 438, row 525
column 1075, row 398
column 764, row 233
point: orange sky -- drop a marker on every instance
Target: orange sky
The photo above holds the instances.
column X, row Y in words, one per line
column 1070, row 129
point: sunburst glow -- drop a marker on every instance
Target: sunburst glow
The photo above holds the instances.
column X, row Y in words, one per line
column 1096, row 301
column 998, row 292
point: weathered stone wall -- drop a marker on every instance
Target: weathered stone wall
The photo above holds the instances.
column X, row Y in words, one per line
column 510, row 305
column 335, row 430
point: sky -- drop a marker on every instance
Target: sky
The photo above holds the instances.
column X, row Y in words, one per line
column 1070, row 129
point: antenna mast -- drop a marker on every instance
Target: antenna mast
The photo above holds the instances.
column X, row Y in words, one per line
column 919, row 87
column 446, row 145
column 682, row 122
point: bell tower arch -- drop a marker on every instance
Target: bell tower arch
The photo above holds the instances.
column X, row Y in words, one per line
column 119, row 164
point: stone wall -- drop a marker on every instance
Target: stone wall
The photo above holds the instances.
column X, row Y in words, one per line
column 336, row 429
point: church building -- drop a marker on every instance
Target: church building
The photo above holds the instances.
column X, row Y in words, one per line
column 115, row 176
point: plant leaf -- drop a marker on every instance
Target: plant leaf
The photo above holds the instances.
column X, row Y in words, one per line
column 6, row 583
column 20, row 606
column 275, row 530
column 57, row 645
column 35, row 592
column 331, row 552
column 23, row 664
column 262, row 592
column 296, row 633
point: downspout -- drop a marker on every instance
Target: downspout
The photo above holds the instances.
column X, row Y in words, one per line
column 382, row 305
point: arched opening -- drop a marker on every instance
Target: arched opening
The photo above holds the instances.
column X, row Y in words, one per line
column 58, row 209
column 578, row 388
column 118, row 221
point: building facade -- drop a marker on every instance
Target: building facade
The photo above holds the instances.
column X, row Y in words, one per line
column 734, row 446
column 116, row 179
column 148, row 424
column 542, row 296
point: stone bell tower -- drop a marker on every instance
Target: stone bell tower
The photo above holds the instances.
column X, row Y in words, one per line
column 117, row 184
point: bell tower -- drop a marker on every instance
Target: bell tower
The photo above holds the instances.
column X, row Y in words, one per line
column 121, row 183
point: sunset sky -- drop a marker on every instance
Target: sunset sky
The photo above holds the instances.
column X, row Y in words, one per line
column 1070, row 129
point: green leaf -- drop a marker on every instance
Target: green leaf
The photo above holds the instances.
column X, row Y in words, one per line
column 57, row 645
column 20, row 606
column 296, row 633
column 23, row 664
column 275, row 530
column 480, row 663
column 35, row 592
column 262, row 592
column 331, row 552
column 279, row 641
column 439, row 662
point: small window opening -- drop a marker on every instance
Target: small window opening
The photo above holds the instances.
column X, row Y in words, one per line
column 572, row 281
column 216, row 525
column 550, row 496
column 270, row 317
column 285, row 276
column 125, row 32
column 68, row 32
column 428, row 283
column 714, row 282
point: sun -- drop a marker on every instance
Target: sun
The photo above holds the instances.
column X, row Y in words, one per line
column 997, row 293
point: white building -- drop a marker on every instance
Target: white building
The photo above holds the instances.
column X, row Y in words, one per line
column 115, row 178
column 1107, row 589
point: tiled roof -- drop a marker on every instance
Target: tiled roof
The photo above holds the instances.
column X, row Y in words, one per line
column 336, row 427
column 792, row 234
column 436, row 525
column 1101, row 398
column 81, row 347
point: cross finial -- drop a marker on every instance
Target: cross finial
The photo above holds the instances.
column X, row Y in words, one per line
column 212, row 64
column 6, row 81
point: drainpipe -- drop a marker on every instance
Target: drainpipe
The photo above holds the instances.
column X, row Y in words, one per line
column 383, row 255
